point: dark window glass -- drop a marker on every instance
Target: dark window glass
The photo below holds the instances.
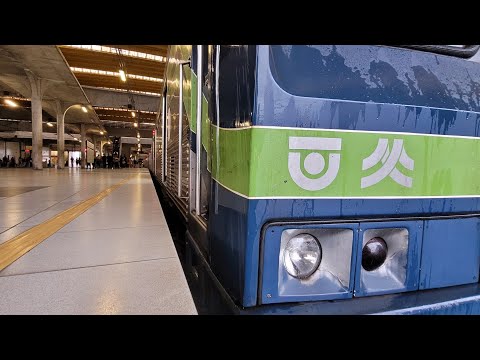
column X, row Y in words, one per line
column 236, row 85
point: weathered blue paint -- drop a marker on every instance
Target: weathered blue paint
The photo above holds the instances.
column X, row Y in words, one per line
column 339, row 87
column 450, row 253
column 261, row 211
column 462, row 306
column 376, row 74
column 397, row 108
column 452, row 300
column 228, row 212
column 357, row 110
column 228, row 232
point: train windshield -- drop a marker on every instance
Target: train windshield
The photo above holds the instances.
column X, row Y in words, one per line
column 377, row 74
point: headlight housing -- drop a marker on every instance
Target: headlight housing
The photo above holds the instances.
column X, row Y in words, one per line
column 307, row 261
column 389, row 254
column 302, row 256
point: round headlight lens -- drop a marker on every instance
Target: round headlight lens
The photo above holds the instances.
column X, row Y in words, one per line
column 374, row 253
column 302, row 256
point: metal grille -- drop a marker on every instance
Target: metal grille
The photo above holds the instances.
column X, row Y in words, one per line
column 172, row 160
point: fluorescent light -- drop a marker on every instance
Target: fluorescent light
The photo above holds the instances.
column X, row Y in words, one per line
column 123, row 90
column 101, row 132
column 123, row 109
column 84, row 109
column 11, row 103
column 111, row 73
column 124, row 52
column 133, row 114
column 122, row 75
column 135, row 125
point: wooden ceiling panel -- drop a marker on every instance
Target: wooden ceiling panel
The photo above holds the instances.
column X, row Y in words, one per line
column 115, row 82
column 104, row 61
column 83, row 58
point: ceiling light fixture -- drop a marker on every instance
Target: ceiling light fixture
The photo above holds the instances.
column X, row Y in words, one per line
column 122, row 75
column 75, row 139
column 133, row 114
column 84, row 109
column 101, row 132
column 135, row 124
column 49, row 124
column 11, row 103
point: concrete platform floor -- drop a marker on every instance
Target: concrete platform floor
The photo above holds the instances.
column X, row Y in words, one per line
column 117, row 257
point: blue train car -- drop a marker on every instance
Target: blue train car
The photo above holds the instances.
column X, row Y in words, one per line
column 324, row 179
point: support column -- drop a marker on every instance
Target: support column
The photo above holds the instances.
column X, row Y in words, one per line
column 83, row 136
column 37, row 86
column 101, row 147
column 60, row 135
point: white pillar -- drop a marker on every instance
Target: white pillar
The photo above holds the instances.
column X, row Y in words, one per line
column 82, row 145
column 60, row 135
column 101, row 147
column 37, row 86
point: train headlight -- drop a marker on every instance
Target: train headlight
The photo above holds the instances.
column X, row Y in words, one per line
column 302, row 256
column 374, row 253
column 389, row 258
column 308, row 262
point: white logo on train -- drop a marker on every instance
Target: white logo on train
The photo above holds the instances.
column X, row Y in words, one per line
column 314, row 163
column 389, row 160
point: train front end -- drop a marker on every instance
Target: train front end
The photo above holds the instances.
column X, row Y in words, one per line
column 363, row 182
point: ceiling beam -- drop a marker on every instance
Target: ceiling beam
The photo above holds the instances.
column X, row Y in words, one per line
column 116, row 99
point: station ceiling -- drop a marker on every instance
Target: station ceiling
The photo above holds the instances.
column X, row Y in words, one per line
column 89, row 75
column 98, row 67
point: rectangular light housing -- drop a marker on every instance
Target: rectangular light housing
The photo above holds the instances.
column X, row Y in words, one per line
column 332, row 280
column 400, row 270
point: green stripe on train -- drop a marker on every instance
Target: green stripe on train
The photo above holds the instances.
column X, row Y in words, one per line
column 278, row 162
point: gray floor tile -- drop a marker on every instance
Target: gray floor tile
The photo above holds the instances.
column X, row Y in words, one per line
column 114, row 219
column 129, row 267
column 148, row 287
column 12, row 218
column 92, row 248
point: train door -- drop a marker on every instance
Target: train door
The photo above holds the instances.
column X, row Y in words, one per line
column 203, row 64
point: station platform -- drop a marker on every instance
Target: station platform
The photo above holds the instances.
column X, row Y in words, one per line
column 78, row 241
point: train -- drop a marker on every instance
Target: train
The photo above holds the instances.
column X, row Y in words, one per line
column 323, row 179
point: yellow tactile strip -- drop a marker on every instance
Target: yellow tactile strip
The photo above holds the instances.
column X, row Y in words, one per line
column 18, row 246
